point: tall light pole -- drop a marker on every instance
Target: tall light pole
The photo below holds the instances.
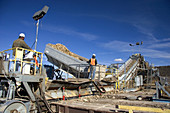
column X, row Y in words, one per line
column 38, row 15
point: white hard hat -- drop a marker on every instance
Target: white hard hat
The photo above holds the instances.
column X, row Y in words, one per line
column 94, row 54
column 22, row 35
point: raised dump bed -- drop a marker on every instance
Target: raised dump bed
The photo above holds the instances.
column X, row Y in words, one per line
column 65, row 61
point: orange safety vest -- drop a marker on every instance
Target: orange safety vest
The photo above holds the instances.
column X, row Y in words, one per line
column 92, row 61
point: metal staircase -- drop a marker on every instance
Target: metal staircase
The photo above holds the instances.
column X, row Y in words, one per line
column 41, row 102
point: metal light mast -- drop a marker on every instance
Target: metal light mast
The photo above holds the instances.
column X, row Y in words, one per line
column 37, row 16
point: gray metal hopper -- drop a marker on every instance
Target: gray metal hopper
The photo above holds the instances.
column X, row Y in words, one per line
column 65, row 62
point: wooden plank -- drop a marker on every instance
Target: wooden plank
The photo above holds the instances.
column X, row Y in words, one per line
column 146, row 109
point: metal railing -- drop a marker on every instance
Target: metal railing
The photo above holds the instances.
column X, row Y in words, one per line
column 18, row 56
column 82, row 71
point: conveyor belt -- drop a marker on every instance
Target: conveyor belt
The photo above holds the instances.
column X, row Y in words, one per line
column 126, row 70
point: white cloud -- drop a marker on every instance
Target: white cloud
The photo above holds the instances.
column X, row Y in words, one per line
column 64, row 30
column 117, row 45
column 160, row 45
column 166, row 39
column 118, row 60
column 68, row 31
column 27, row 23
column 152, row 53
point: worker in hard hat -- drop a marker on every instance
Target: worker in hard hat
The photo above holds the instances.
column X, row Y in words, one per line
column 20, row 43
column 93, row 63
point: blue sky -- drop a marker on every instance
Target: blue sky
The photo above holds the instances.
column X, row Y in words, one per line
column 103, row 27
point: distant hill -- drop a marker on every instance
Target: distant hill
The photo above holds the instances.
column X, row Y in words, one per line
column 164, row 71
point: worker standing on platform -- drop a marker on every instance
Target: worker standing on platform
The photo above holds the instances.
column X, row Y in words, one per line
column 93, row 63
column 20, row 43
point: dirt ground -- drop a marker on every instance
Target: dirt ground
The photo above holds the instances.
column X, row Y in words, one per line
column 109, row 100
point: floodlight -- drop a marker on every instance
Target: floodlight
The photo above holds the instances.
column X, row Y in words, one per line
column 131, row 45
column 39, row 14
column 137, row 43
